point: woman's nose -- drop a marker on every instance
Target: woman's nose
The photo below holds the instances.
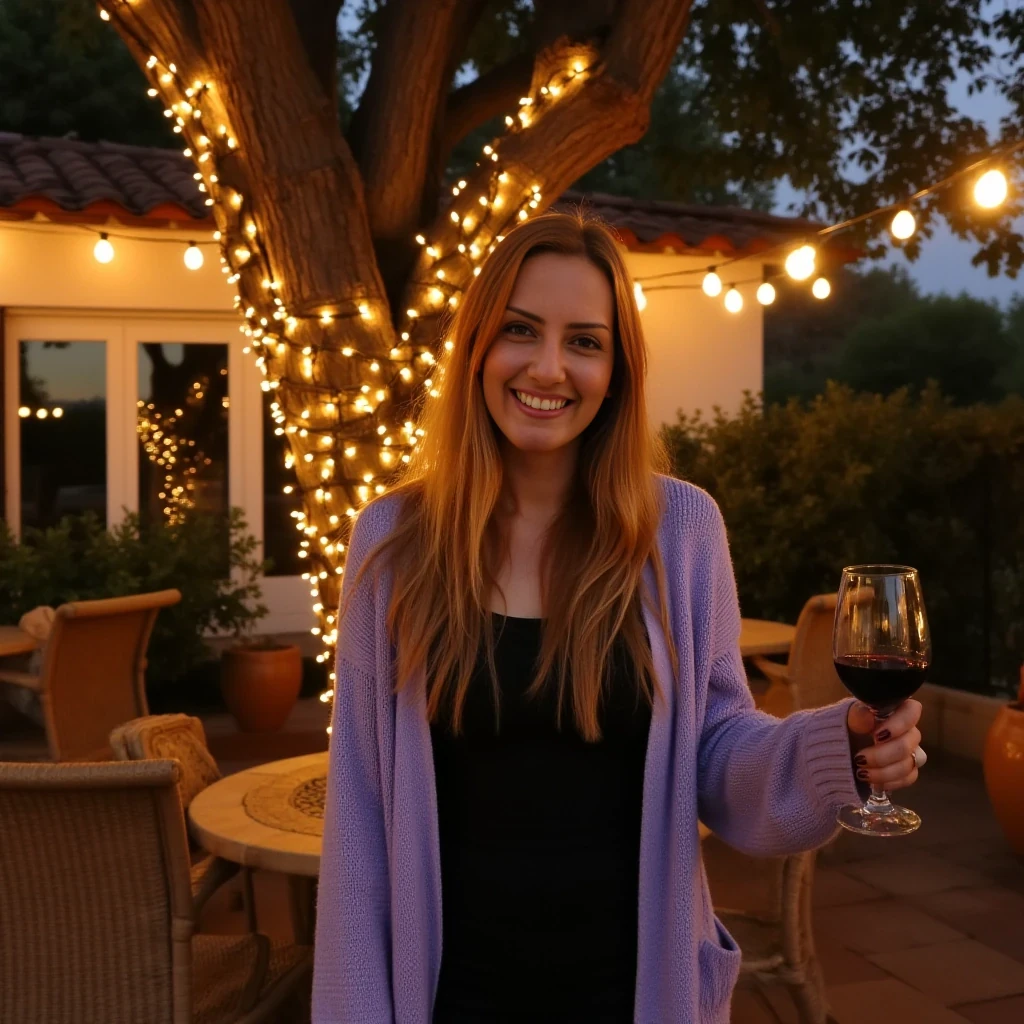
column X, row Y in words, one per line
column 548, row 366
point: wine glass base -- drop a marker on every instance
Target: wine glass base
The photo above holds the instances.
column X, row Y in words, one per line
column 892, row 821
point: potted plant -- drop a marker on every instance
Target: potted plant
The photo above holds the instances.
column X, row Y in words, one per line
column 1004, row 768
column 260, row 681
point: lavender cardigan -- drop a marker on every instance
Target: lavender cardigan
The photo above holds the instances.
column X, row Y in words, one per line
column 766, row 786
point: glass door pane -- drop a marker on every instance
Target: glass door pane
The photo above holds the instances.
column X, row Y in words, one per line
column 62, row 388
column 182, row 430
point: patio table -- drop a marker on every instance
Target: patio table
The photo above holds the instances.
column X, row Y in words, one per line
column 759, row 636
column 272, row 817
column 15, row 641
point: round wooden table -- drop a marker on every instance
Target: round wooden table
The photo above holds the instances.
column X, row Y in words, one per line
column 270, row 817
column 759, row 636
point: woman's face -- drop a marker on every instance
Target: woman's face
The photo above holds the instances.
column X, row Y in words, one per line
column 554, row 349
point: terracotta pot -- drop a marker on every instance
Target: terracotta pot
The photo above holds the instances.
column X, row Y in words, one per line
column 1004, row 769
column 261, row 685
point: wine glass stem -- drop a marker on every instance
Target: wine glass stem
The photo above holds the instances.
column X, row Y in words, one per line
column 879, row 800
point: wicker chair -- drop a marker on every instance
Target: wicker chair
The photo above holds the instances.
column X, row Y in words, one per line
column 182, row 738
column 778, row 942
column 97, row 910
column 92, row 676
column 810, row 675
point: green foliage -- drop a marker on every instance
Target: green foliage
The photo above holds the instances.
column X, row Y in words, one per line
column 877, row 334
column 63, row 71
column 855, row 478
column 212, row 560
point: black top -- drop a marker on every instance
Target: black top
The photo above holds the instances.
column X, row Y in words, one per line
column 540, row 848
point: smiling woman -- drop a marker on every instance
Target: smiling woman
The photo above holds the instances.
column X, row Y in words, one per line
column 540, row 688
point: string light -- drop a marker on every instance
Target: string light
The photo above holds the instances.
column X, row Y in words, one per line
column 103, row 250
column 991, row 189
column 800, row 263
column 638, row 294
column 733, row 299
column 821, row 289
column 193, row 256
column 903, row 225
column 712, row 284
column 766, row 293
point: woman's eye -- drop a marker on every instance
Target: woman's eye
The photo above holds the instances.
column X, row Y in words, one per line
column 516, row 328
column 587, row 341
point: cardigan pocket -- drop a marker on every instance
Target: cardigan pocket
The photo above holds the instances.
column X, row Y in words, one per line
column 719, row 966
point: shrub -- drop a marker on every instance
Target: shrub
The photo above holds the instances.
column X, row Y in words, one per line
column 211, row 560
column 807, row 489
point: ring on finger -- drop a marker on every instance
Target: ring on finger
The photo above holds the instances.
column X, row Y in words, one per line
column 920, row 758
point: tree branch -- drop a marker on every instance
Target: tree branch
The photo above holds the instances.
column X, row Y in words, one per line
column 643, row 42
column 317, row 21
column 493, row 93
column 391, row 131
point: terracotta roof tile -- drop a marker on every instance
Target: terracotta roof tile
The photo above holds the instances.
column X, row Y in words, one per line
column 71, row 179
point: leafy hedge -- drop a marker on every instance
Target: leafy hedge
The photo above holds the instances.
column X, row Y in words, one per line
column 211, row 560
column 848, row 478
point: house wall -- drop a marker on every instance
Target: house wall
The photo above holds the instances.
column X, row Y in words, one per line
column 52, row 288
column 700, row 355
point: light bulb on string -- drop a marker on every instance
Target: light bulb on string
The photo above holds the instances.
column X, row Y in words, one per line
column 638, row 294
column 733, row 299
column 766, row 293
column 103, row 250
column 712, row 284
column 800, row 263
column 821, row 289
column 991, row 189
column 903, row 225
column 193, row 256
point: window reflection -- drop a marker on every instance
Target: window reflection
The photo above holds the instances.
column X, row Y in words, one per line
column 182, row 430
column 280, row 538
column 63, row 418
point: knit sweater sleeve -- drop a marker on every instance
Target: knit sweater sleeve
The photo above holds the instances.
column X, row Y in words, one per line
column 352, row 958
column 766, row 786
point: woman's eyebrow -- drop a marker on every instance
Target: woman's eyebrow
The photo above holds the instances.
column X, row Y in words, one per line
column 540, row 320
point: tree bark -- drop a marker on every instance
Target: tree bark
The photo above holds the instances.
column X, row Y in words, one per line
column 304, row 242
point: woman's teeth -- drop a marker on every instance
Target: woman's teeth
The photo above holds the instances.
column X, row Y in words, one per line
column 543, row 404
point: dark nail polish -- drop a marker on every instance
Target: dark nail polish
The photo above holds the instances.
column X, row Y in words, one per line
column 860, row 759
column 883, row 735
column 862, row 774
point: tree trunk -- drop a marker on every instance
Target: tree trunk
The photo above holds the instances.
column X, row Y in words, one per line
column 257, row 114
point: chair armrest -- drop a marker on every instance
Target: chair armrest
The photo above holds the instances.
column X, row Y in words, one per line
column 771, row 669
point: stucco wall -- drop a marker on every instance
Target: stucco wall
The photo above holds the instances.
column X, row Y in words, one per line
column 700, row 354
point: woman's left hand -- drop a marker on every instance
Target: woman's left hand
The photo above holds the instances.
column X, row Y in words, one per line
column 888, row 753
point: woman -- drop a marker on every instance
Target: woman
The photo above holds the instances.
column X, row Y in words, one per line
column 539, row 691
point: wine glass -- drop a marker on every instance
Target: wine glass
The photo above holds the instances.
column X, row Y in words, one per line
column 882, row 649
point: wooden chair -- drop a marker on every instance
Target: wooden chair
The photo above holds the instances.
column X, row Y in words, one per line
column 809, row 676
column 182, row 738
column 97, row 910
column 92, row 676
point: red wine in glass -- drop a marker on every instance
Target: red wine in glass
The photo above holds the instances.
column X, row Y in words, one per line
column 882, row 681
column 881, row 647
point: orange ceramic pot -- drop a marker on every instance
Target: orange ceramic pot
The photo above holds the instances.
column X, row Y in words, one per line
column 261, row 685
column 1004, row 772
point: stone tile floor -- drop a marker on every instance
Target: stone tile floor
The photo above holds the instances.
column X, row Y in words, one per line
column 924, row 929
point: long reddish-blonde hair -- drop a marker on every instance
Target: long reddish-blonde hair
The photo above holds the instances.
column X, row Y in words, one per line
column 447, row 542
